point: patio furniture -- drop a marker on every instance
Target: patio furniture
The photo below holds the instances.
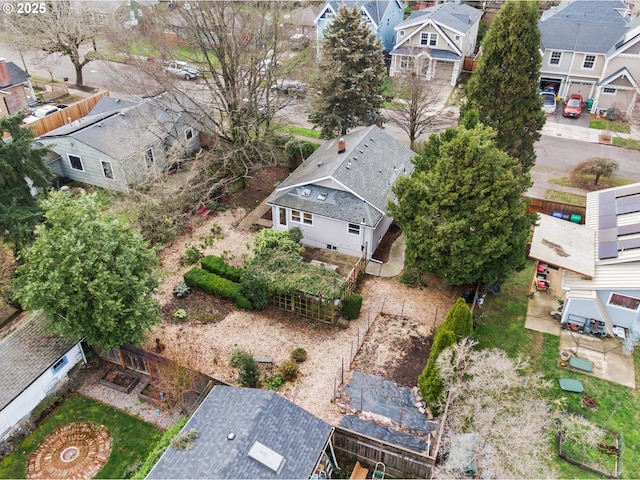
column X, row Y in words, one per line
column 581, row 364
column 359, row 472
column 571, row 385
column 204, row 211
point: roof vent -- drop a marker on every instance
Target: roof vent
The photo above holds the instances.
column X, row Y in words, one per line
column 99, row 124
column 122, row 114
column 342, row 145
column 361, row 151
column 366, row 145
column 371, row 138
column 306, row 192
column 231, row 436
column 319, row 164
column 355, row 158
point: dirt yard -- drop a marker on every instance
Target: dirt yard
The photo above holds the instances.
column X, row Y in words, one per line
column 402, row 319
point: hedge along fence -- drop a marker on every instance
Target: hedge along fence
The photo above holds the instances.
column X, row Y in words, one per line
column 216, row 285
column 217, row 265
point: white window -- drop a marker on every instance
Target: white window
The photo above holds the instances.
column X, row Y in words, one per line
column 148, row 157
column 424, row 38
column 56, row 367
column 107, row 169
column 354, row 229
column 76, row 162
column 406, row 62
column 609, row 91
column 555, row 58
column 402, row 33
column 624, row 301
column 457, row 38
column 589, row 61
column 132, row 15
column 282, row 217
column 307, row 218
column 433, row 39
column 188, row 134
column 139, row 12
column 295, row 216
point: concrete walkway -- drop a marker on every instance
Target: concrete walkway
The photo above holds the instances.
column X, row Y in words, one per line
column 395, row 265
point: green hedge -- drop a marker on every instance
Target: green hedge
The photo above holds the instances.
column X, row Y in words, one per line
column 160, row 448
column 351, row 306
column 216, row 285
column 217, row 265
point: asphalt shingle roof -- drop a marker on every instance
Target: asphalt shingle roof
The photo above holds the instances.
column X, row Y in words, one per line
column 27, row 350
column 367, row 168
column 375, row 8
column 433, row 52
column 17, row 75
column 591, row 26
column 459, row 17
column 253, row 416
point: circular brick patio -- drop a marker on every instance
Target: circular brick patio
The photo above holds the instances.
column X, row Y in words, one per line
column 76, row 450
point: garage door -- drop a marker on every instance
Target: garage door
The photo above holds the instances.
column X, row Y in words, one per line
column 444, row 70
column 583, row 88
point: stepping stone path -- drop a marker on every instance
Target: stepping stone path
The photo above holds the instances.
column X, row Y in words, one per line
column 74, row 451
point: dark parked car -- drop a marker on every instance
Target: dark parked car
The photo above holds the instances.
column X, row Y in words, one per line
column 573, row 106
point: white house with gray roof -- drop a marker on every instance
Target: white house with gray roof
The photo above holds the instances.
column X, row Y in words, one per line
column 33, row 363
column 247, row 433
column 122, row 143
column 592, row 47
column 338, row 197
column 380, row 15
column 433, row 42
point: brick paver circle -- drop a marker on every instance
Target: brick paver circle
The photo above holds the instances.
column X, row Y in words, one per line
column 74, row 451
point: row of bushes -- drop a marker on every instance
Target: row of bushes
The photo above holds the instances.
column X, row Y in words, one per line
column 217, row 265
column 217, row 285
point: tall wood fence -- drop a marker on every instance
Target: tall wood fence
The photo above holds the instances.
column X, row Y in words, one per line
column 399, row 462
column 548, row 207
column 469, row 64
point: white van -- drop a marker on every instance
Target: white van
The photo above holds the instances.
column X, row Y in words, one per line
column 40, row 113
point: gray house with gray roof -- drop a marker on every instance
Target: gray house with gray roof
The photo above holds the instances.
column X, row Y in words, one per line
column 247, row 434
column 33, row 363
column 338, row 197
column 433, row 42
column 592, row 47
column 122, row 143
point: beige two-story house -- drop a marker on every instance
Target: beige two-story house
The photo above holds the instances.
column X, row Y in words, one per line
column 433, row 42
column 592, row 48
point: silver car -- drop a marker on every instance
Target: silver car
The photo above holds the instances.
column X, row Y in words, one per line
column 182, row 70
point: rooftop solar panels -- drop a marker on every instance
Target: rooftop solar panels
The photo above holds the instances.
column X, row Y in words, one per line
column 628, row 229
column 629, row 243
column 611, row 204
column 607, row 250
column 633, row 189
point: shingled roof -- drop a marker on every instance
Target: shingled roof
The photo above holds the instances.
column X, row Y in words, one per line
column 264, row 425
column 27, row 350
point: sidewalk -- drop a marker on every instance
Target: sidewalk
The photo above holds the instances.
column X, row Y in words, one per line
column 555, row 128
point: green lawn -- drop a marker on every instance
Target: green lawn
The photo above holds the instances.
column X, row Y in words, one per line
column 131, row 438
column 501, row 325
column 603, row 124
column 626, row 142
column 300, row 131
column 566, row 197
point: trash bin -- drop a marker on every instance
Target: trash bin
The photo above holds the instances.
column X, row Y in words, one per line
column 589, row 104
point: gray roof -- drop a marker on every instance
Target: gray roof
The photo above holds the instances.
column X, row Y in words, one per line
column 459, row 17
column 432, row 52
column 368, row 167
column 591, row 26
column 253, row 416
column 375, row 8
column 16, row 74
column 120, row 132
column 27, row 350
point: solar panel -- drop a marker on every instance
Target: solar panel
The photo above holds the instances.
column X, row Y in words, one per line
column 629, row 243
column 622, row 209
column 630, row 200
column 607, row 221
column 607, row 250
column 633, row 189
column 629, row 229
column 608, row 235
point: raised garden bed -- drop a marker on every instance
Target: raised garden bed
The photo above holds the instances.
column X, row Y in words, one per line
column 151, row 394
column 119, row 380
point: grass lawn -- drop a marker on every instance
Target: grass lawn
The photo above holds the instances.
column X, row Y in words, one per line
column 626, row 142
column 566, row 197
column 300, row 131
column 502, row 326
column 603, row 124
column 131, row 438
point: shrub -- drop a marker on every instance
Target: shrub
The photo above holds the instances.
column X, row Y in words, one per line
column 459, row 319
column 429, row 381
column 238, row 357
column 216, row 285
column 186, row 440
column 299, row 355
column 180, row 314
column 298, row 150
column 275, row 382
column 249, row 373
column 191, row 256
column 289, row 370
column 181, row 290
column 217, row 265
column 257, row 288
column 351, row 306
column 613, row 114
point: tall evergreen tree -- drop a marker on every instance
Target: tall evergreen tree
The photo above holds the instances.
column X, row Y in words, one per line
column 350, row 77
column 19, row 210
column 504, row 87
column 461, row 210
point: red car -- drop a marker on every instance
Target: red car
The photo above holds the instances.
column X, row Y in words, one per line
column 573, row 106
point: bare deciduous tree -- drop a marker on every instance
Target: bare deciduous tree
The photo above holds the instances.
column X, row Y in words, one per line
column 488, row 396
column 597, row 166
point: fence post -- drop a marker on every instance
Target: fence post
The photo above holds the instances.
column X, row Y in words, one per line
column 341, row 370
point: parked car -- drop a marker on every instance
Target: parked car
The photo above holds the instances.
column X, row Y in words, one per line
column 290, row 87
column 549, row 102
column 573, row 106
column 266, row 65
column 182, row 70
column 39, row 113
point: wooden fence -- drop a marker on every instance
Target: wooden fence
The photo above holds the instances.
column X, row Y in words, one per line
column 65, row 116
column 469, row 64
column 399, row 462
column 549, row 208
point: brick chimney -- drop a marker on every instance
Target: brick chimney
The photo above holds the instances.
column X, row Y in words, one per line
column 342, row 145
column 5, row 77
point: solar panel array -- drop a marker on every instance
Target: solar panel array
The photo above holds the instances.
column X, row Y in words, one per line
column 611, row 204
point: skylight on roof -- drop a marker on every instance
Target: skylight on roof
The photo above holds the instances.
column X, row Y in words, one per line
column 322, row 196
column 267, row 457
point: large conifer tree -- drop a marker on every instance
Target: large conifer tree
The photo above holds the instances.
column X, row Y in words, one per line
column 504, row 87
column 350, row 77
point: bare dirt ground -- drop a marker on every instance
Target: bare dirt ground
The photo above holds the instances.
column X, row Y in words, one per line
column 397, row 346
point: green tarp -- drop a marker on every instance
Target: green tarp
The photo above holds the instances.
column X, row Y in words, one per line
column 581, row 364
column 571, row 385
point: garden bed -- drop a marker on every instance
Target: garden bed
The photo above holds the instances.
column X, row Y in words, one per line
column 120, row 380
column 153, row 395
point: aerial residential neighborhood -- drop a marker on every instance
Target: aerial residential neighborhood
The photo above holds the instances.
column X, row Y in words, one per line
column 329, row 239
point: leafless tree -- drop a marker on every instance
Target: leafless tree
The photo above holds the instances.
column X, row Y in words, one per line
column 63, row 28
column 596, row 166
column 488, row 396
column 419, row 108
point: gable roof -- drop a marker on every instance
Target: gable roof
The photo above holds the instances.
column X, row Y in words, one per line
column 368, row 168
column 258, row 418
column 17, row 75
column 27, row 350
column 375, row 9
column 458, row 17
column 571, row 26
column 623, row 72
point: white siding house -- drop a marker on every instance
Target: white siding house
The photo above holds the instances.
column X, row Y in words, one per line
column 33, row 363
column 338, row 196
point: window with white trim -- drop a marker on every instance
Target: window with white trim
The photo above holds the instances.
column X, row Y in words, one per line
column 107, row 169
column 296, row 216
column 433, row 39
column 59, row 365
column 609, row 91
column 402, row 33
column 589, row 61
column 406, row 61
column 76, row 162
column 457, row 38
column 307, row 218
column 188, row 134
column 353, row 229
column 624, row 301
column 424, row 38
column 148, row 157
column 555, row 58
